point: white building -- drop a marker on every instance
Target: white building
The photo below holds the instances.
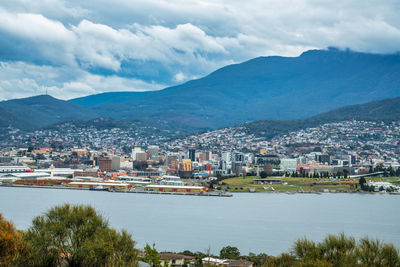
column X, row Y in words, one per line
column 138, row 154
column 288, row 165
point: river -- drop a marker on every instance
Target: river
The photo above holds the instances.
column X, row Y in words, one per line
column 256, row 222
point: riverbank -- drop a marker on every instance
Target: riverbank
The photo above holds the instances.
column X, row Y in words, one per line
column 133, row 190
column 298, row 185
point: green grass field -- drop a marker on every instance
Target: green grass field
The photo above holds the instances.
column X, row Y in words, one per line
column 240, row 184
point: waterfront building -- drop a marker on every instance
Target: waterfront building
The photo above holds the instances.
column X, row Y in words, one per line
column 147, row 173
column 105, row 164
column 13, row 169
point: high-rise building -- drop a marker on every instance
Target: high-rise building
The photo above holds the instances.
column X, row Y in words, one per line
column 115, row 163
column 105, row 164
column 353, row 159
column 227, row 157
column 138, row 154
column 185, row 168
column 186, row 165
column 192, row 154
column 207, row 155
column 323, row 158
column 153, row 151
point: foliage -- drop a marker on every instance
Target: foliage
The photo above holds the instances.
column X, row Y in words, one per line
column 338, row 250
column 151, row 256
column 229, row 252
column 374, row 253
column 284, row 260
column 11, row 243
column 257, row 259
column 362, row 182
column 77, row 236
column 263, row 174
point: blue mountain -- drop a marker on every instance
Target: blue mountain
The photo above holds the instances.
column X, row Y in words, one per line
column 38, row 111
column 262, row 88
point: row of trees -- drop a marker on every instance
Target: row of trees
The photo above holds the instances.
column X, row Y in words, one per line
column 338, row 250
column 334, row 250
column 78, row 236
column 66, row 236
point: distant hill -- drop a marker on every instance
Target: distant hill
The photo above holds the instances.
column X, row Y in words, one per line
column 142, row 126
column 383, row 110
column 9, row 119
column 273, row 88
column 262, row 88
column 39, row 111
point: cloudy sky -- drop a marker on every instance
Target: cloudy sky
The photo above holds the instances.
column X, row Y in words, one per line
column 75, row 48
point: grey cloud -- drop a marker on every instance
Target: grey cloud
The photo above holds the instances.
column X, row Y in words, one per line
column 181, row 38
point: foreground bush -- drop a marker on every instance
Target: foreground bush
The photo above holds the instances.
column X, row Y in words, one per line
column 77, row 236
column 339, row 250
column 11, row 242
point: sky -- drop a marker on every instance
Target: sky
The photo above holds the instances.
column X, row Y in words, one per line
column 76, row 48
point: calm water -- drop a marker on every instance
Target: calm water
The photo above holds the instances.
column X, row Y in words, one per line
column 252, row 222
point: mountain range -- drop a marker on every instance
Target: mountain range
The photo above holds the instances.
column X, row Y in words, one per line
column 272, row 88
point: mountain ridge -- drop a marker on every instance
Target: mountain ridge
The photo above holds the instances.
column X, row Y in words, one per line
column 39, row 111
column 284, row 88
column 265, row 88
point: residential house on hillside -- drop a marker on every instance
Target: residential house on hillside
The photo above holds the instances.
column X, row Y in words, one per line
column 173, row 259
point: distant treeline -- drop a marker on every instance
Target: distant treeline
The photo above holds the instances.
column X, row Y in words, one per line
column 77, row 235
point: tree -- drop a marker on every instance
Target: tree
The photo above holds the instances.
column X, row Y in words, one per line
column 11, row 243
column 140, row 165
column 338, row 250
column 77, row 236
column 268, row 169
column 151, row 256
column 341, row 250
column 362, row 182
column 229, row 252
column 374, row 253
column 258, row 260
column 283, row 260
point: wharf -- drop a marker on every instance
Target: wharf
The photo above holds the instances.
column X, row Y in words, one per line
column 203, row 193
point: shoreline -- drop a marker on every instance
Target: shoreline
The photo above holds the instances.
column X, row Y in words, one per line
column 209, row 193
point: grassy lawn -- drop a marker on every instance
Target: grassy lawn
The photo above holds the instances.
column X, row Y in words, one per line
column 240, row 184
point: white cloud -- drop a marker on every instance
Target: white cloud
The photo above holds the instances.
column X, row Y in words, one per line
column 18, row 79
column 179, row 77
column 179, row 38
